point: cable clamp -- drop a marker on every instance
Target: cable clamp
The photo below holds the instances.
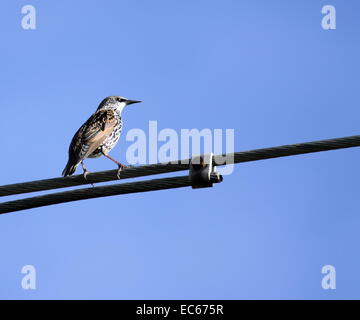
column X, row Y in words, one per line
column 202, row 171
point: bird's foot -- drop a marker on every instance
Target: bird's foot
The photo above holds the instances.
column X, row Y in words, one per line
column 121, row 167
column 86, row 172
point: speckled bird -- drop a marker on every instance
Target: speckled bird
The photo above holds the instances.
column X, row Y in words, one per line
column 98, row 135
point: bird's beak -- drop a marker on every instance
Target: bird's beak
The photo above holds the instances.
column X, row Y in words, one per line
column 132, row 101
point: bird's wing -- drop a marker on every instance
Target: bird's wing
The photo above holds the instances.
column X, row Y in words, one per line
column 93, row 133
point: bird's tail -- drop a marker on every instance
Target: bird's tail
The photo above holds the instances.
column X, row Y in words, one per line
column 70, row 168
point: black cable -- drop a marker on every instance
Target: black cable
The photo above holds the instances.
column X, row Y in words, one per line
column 296, row 149
column 91, row 193
column 160, row 168
column 91, row 178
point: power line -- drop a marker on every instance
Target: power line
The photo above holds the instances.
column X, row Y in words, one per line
column 91, row 178
column 180, row 165
column 91, row 193
column 296, row 149
column 155, row 184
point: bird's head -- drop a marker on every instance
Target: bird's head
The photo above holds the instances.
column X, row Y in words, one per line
column 116, row 102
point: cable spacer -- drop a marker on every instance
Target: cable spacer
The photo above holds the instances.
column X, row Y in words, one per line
column 202, row 171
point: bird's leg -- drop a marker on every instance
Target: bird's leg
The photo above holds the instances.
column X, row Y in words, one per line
column 120, row 165
column 86, row 171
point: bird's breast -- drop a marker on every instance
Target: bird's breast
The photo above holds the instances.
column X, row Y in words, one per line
column 111, row 140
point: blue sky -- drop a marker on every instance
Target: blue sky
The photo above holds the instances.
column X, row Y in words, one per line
column 263, row 68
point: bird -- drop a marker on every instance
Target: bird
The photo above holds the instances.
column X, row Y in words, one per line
column 98, row 135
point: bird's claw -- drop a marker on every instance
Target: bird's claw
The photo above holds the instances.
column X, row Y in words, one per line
column 121, row 167
column 86, row 172
column 119, row 172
